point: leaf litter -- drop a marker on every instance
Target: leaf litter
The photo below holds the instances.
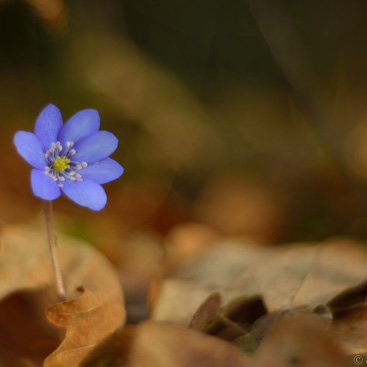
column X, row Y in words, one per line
column 94, row 309
column 231, row 303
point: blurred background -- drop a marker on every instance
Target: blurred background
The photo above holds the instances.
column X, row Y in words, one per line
column 235, row 118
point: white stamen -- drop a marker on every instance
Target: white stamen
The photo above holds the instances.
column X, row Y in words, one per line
column 70, row 171
column 59, row 146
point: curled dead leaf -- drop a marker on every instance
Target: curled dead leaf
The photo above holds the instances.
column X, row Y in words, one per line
column 87, row 320
column 25, row 268
column 206, row 312
column 290, row 277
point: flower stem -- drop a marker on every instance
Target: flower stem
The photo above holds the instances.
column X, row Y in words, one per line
column 60, row 290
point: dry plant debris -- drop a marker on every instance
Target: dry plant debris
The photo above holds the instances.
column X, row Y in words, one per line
column 94, row 308
column 229, row 304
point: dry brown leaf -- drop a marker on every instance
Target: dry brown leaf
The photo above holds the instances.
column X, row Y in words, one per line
column 239, row 317
column 300, row 340
column 304, row 276
column 350, row 297
column 206, row 312
column 26, row 337
column 114, row 350
column 178, row 300
column 25, row 268
column 249, row 342
column 350, row 330
column 211, row 269
column 88, row 320
column 285, row 277
column 292, row 339
column 164, row 345
column 234, row 320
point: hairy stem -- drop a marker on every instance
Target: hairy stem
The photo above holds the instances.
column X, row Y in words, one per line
column 60, row 290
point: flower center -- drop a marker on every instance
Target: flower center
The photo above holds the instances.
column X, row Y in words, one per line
column 59, row 164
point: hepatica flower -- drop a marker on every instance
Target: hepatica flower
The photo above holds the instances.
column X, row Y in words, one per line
column 71, row 158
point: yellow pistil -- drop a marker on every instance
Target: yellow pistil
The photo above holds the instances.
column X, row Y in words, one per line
column 60, row 164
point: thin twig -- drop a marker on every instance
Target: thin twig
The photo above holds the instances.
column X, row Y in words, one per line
column 60, row 290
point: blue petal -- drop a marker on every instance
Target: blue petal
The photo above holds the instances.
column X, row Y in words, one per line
column 86, row 193
column 29, row 147
column 43, row 186
column 48, row 125
column 80, row 125
column 95, row 147
column 102, row 172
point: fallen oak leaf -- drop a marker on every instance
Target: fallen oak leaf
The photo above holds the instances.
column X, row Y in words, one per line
column 348, row 298
column 25, row 264
column 206, row 312
column 300, row 340
column 87, row 320
column 250, row 341
column 178, row 300
column 26, row 336
column 166, row 345
column 303, row 276
column 234, row 319
column 350, row 330
column 244, row 310
column 25, row 268
column 293, row 276
column 211, row 269
column 159, row 344
column 291, row 340
column 340, row 263
column 114, row 350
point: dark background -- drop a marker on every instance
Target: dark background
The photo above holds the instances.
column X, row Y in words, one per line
column 247, row 116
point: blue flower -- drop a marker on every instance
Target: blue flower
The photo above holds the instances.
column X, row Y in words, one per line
column 70, row 158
